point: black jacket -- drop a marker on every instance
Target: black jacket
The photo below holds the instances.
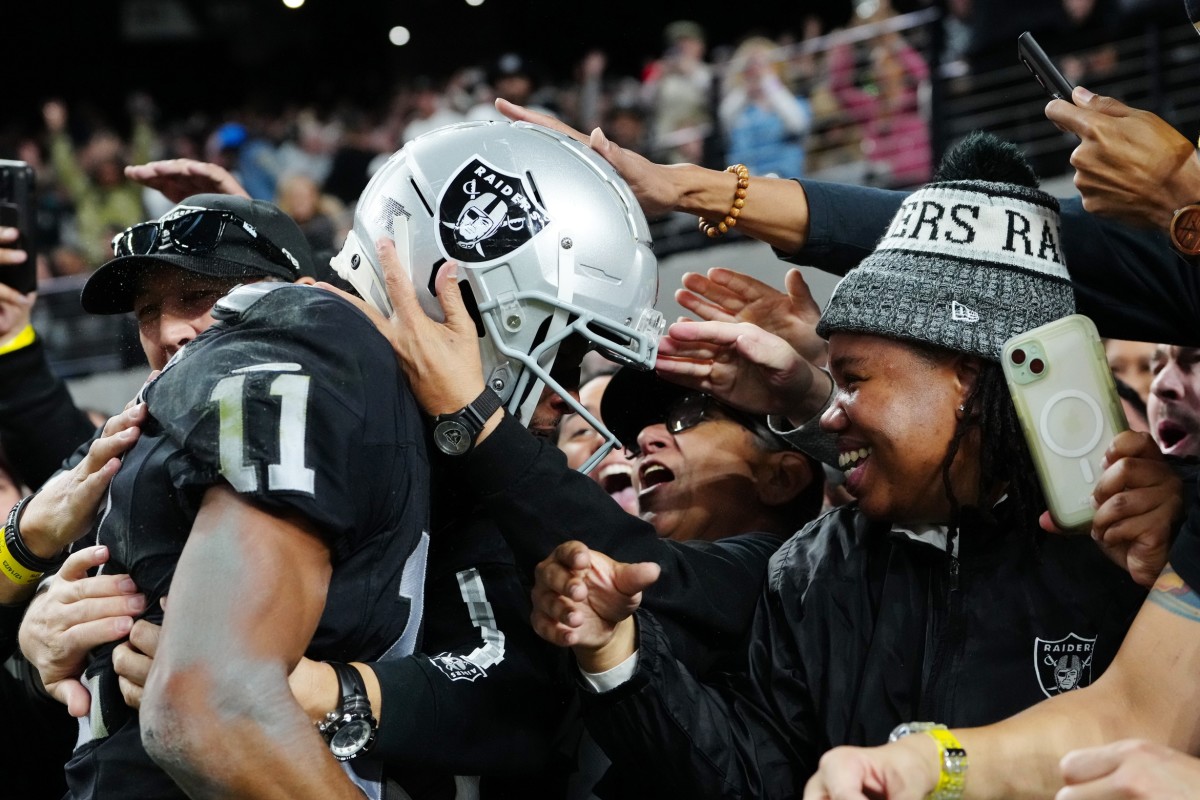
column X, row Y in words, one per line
column 487, row 696
column 861, row 628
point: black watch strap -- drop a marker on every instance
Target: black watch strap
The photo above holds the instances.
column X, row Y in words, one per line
column 455, row 434
column 352, row 688
column 350, row 728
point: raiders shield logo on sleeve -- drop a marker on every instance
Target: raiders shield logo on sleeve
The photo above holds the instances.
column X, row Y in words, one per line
column 486, row 213
column 1063, row 664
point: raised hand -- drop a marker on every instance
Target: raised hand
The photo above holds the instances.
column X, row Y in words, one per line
column 654, row 185
column 178, row 178
column 1130, row 164
column 65, row 507
column 441, row 359
column 585, row 600
column 741, row 364
column 725, row 295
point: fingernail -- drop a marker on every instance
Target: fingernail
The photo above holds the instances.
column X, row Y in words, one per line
column 1093, row 502
column 127, row 586
column 1083, row 94
column 136, row 603
column 101, row 550
column 123, row 624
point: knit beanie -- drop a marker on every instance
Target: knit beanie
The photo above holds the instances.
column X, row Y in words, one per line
column 970, row 260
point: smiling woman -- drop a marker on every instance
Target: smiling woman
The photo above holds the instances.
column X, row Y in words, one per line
column 935, row 587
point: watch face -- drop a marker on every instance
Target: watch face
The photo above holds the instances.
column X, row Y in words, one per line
column 1185, row 230
column 350, row 739
column 452, row 437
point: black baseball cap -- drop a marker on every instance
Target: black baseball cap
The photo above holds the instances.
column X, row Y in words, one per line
column 635, row 399
column 112, row 288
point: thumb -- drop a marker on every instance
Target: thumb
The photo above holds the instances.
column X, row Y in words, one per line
column 78, row 563
column 397, row 280
column 600, row 143
column 797, row 289
column 1047, row 524
column 630, row 579
column 449, row 295
column 73, row 695
column 1109, row 106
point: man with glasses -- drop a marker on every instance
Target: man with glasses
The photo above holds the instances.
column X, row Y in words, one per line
column 704, row 470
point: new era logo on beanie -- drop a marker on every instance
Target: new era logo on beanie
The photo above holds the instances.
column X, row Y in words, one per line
column 969, row 260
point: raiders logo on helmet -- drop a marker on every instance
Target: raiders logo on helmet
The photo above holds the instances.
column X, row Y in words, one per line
column 486, row 213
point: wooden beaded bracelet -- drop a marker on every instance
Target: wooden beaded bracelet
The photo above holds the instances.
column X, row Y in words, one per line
column 739, row 200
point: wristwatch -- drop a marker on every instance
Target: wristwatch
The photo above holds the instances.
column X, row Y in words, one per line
column 953, row 773
column 350, row 728
column 455, row 434
column 1185, row 230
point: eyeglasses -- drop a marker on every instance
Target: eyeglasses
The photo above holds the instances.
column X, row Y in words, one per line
column 690, row 410
column 196, row 232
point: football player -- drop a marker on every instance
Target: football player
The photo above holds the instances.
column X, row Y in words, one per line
column 280, row 489
column 482, row 595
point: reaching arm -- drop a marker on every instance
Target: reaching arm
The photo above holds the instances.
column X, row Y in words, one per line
column 178, row 178
column 217, row 714
column 1149, row 692
column 775, row 210
column 1130, row 165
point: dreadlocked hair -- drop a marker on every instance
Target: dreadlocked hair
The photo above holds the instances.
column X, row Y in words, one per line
column 1004, row 459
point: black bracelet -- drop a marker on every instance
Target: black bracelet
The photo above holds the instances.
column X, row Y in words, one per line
column 16, row 545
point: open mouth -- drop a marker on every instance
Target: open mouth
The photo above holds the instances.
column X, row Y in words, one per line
column 616, row 478
column 617, row 481
column 1172, row 436
column 851, row 463
column 653, row 475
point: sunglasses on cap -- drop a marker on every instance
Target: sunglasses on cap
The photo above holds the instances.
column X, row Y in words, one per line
column 194, row 233
column 690, row 410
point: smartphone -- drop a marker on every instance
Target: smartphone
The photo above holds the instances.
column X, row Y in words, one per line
column 1068, row 406
column 1048, row 75
column 17, row 209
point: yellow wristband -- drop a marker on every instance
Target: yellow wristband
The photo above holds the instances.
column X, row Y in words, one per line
column 14, row 571
column 23, row 339
column 953, row 778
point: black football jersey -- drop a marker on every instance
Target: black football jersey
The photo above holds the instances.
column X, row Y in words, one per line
column 294, row 400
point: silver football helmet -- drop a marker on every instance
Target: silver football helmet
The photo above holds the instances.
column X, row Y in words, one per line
column 549, row 238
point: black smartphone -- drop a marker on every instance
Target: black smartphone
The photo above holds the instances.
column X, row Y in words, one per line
column 1048, row 75
column 17, row 209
